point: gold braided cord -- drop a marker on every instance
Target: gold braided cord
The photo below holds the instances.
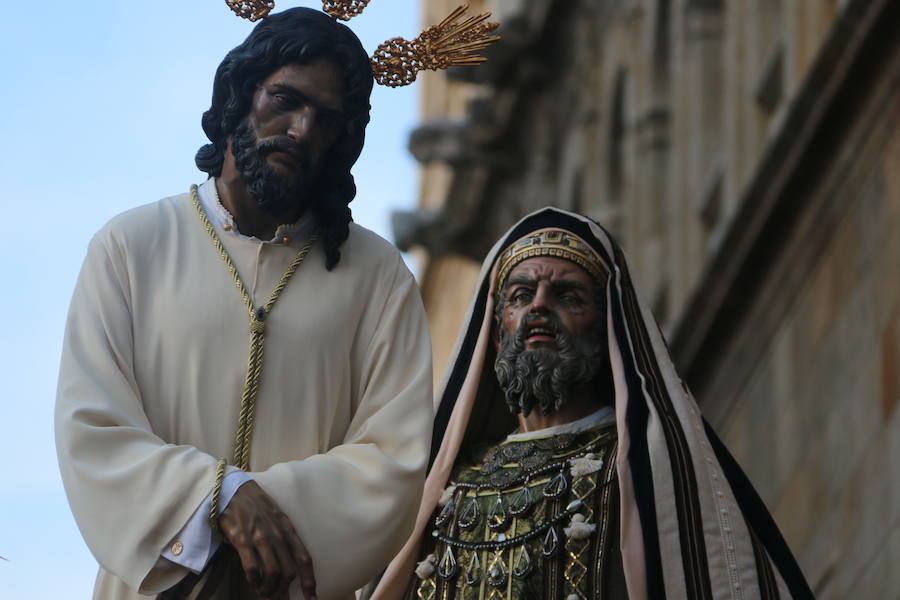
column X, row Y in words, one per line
column 252, row 10
column 453, row 42
column 216, row 493
column 243, row 436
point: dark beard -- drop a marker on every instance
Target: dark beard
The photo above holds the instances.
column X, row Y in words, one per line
column 545, row 378
column 276, row 195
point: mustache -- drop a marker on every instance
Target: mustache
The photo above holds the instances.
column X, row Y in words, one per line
column 283, row 143
column 551, row 320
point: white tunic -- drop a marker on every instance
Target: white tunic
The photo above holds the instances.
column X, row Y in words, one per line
column 153, row 365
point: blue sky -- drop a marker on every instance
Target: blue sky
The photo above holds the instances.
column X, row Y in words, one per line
column 103, row 103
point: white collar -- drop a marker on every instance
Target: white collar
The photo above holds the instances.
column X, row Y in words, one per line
column 592, row 421
column 222, row 220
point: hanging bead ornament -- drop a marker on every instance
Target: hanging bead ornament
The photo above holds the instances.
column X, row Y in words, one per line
column 522, row 565
column 470, row 515
column 448, row 566
column 446, row 514
column 551, row 543
column 473, row 570
column 252, row 10
column 497, row 517
column 497, row 572
column 522, row 502
column 557, row 486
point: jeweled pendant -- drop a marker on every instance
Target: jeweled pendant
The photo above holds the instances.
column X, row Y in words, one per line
column 497, row 573
column 551, row 543
column 473, row 571
column 446, row 514
column 522, row 565
column 448, row 566
column 557, row 486
column 468, row 518
column 521, row 502
column 498, row 518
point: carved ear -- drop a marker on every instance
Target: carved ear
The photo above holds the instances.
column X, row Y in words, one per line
column 453, row 42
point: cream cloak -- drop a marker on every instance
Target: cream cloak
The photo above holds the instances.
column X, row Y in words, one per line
column 153, row 364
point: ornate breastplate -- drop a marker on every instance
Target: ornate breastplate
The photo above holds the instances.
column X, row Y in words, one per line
column 524, row 519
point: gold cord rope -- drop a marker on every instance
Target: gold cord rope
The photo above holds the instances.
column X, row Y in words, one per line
column 217, row 491
column 258, row 317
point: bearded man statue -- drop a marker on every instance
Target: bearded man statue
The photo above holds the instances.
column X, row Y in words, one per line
column 569, row 461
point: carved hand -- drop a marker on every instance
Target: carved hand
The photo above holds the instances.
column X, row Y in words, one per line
column 271, row 552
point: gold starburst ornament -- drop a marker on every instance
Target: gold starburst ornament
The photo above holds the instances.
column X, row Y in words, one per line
column 455, row 41
column 252, row 10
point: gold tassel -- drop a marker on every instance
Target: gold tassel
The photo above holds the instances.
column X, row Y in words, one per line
column 344, row 9
column 453, row 42
column 252, row 10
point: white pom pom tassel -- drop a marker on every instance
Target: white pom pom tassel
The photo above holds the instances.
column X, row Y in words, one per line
column 585, row 465
column 446, row 495
column 578, row 529
column 425, row 569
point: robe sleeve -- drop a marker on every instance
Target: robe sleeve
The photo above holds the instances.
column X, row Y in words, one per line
column 130, row 491
column 355, row 506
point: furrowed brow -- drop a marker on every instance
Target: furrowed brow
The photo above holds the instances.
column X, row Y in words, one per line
column 564, row 285
column 520, row 280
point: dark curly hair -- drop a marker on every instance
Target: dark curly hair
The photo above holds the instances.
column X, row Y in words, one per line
column 297, row 35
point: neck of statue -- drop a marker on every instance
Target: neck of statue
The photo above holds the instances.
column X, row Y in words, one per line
column 581, row 403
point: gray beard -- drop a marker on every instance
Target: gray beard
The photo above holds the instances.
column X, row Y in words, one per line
column 546, row 378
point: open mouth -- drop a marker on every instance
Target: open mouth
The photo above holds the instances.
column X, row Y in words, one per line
column 540, row 333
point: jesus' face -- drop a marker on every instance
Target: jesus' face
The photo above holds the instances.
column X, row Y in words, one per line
column 296, row 117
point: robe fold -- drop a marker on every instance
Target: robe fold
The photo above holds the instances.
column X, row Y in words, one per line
column 152, row 371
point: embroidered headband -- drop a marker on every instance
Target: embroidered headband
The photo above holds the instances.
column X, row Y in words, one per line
column 396, row 62
column 555, row 243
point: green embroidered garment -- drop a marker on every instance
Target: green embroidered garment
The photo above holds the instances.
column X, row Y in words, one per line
column 528, row 518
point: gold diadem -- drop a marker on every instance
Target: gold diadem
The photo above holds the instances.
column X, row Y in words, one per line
column 555, row 243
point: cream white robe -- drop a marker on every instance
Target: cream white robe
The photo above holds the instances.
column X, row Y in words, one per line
column 153, row 365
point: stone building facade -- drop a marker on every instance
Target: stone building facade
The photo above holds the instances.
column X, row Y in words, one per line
column 747, row 155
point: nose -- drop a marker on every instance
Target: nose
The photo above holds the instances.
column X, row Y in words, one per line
column 302, row 122
column 541, row 300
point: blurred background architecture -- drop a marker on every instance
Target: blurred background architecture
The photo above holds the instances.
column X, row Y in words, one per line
column 747, row 155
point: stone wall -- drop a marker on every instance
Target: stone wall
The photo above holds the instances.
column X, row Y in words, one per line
column 807, row 401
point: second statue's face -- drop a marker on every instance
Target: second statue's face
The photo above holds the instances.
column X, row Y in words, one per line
column 548, row 343
column 541, row 286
